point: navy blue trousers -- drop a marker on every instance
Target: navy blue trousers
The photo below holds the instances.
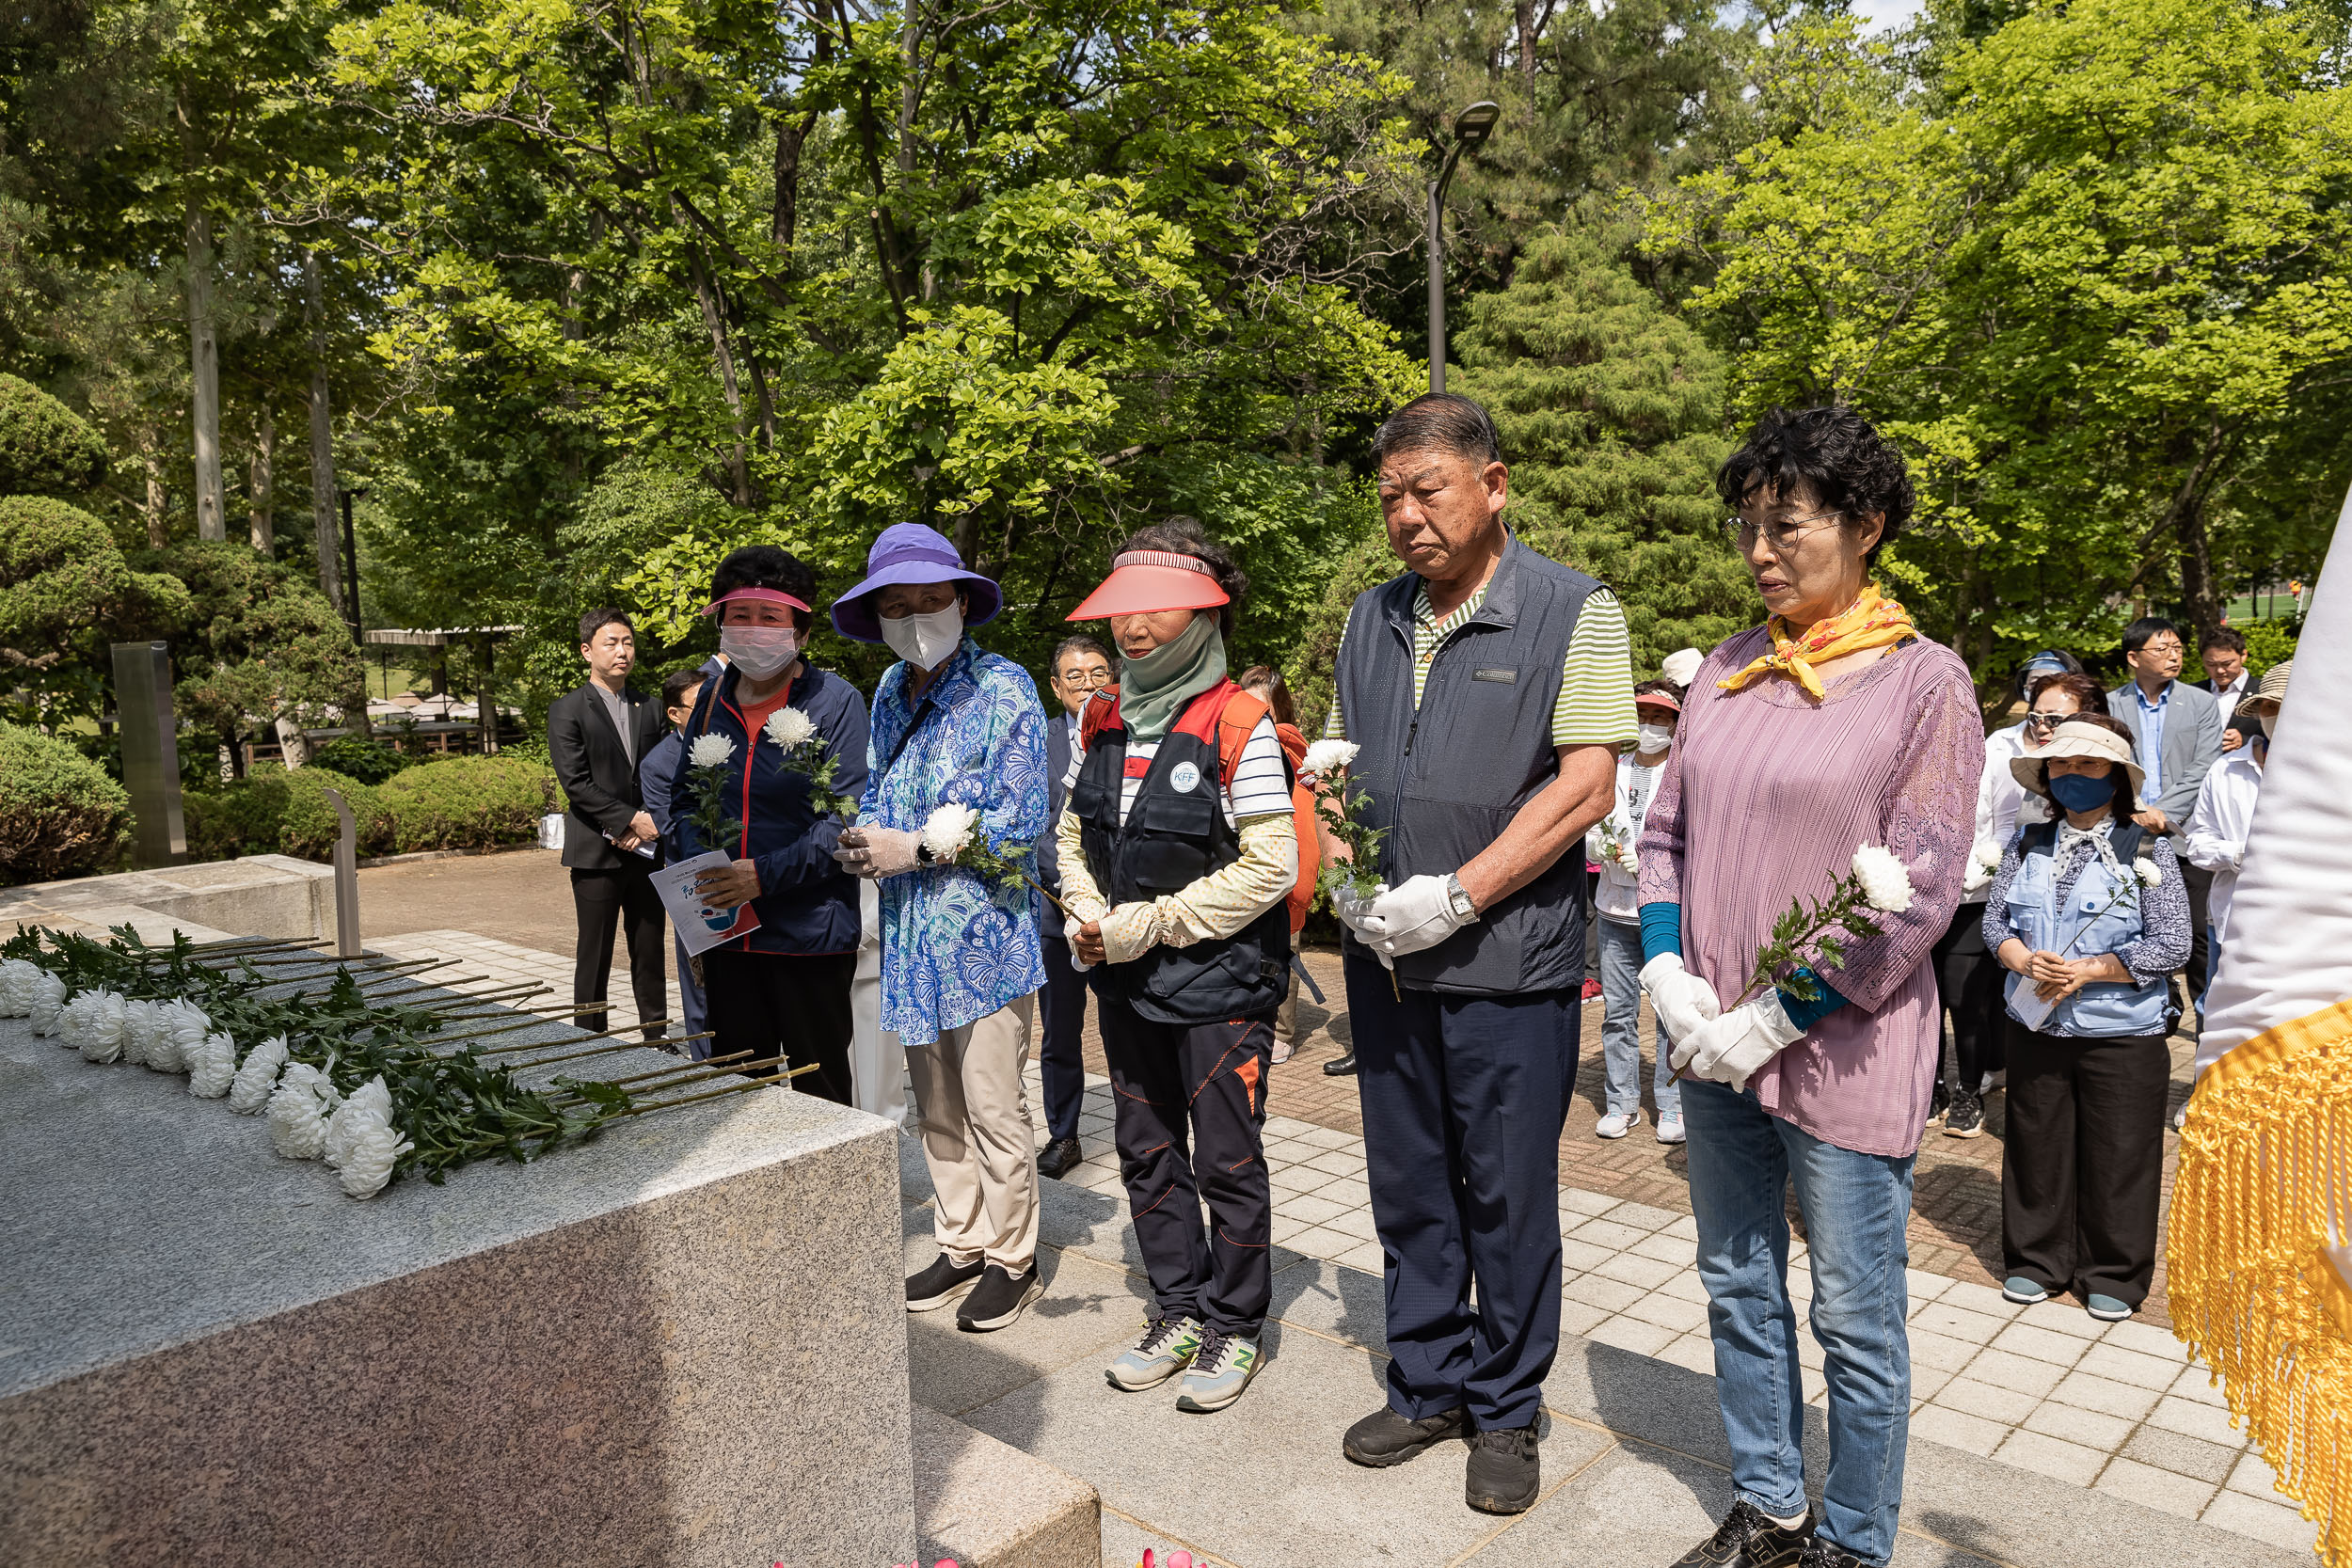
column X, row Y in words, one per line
column 1464, row 1098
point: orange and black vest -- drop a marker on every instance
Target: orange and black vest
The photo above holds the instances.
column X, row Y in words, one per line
column 1175, row 834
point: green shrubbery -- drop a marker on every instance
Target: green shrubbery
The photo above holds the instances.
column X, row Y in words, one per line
column 456, row 803
column 371, row 762
column 60, row 815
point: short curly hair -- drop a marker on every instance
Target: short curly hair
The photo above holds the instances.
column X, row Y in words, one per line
column 1836, row 453
column 1181, row 535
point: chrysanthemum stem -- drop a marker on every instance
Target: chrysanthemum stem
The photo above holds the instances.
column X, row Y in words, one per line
column 749, row 1088
column 683, row 1072
column 616, row 1045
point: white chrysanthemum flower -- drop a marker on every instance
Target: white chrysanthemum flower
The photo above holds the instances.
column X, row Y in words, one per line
column 947, row 829
column 362, row 1143
column 73, row 1025
column 103, row 1025
column 2149, row 874
column 187, row 1026
column 211, row 1065
column 298, row 1112
column 49, row 997
column 250, row 1091
column 1329, row 757
column 17, row 979
column 143, row 1029
column 1885, row 880
column 790, row 729
column 711, row 750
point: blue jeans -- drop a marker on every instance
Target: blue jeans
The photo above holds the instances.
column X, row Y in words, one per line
column 1621, row 1031
column 1855, row 1207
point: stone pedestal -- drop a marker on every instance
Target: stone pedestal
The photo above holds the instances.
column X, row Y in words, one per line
column 681, row 1343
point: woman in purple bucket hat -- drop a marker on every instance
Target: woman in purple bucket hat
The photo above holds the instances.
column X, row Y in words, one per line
column 956, row 766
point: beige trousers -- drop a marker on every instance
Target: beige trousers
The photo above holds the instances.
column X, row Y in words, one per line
column 974, row 1112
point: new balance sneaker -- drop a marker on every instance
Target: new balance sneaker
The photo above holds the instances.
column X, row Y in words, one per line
column 1670, row 1128
column 1166, row 1348
column 1617, row 1124
column 1220, row 1371
column 1966, row 1119
column 943, row 1282
column 999, row 1299
column 1748, row 1537
column 1505, row 1473
column 2023, row 1292
column 1384, row 1438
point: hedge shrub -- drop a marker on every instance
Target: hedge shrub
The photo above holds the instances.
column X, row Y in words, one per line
column 468, row 802
column 371, row 762
column 310, row 827
column 45, row 448
column 60, row 815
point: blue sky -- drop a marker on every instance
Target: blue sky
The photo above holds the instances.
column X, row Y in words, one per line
column 1877, row 14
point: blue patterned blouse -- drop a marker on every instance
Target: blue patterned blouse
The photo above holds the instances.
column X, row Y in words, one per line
column 955, row 950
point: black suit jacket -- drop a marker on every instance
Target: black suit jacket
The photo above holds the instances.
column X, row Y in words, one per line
column 598, row 776
column 1058, row 740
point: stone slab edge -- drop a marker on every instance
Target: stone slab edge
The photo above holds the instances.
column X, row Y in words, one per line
column 988, row 1505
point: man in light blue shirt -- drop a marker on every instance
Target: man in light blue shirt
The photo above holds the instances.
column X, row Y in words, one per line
column 2176, row 734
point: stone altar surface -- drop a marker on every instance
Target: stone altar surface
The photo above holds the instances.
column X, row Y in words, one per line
column 682, row 1342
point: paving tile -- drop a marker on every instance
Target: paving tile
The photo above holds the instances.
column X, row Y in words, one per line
column 1315, row 1241
column 1926, row 1383
column 1366, row 1256
column 2061, row 1316
column 1632, row 1334
column 1957, row 1429
column 1093, row 1306
column 2108, row 1397
column 1339, row 1161
column 2022, row 1338
column 1285, row 1227
column 2183, row 1456
column 2150, row 1487
column 2021, row 1373
column 2075, row 1425
column 1576, row 1200
column 2048, row 1456
column 1683, row 1317
column 1641, row 1216
column 2191, row 1420
column 1683, row 1229
column 1582, row 1257
column 1809, row 1354
column 2148, row 1340
column 1686, row 1286
column 1578, row 1317
column 1986, row 1299
column 1611, row 1295
column 2197, row 1384
column 1355, row 1223
column 1348, row 1191
column 2277, row 1522
column 2004, row 1405
column 1607, row 1233
column 1648, row 1273
column 1935, row 1350
column 2255, row 1478
column 2117, row 1365
column 1941, row 1317
column 1667, row 1249
column 1307, row 1207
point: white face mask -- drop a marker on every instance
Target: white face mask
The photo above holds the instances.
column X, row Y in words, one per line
column 1653, row 737
column 924, row 640
column 760, row 652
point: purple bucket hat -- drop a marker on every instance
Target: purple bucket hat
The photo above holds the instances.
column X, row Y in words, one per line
column 910, row 552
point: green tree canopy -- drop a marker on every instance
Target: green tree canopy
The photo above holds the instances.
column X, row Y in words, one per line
column 45, row 448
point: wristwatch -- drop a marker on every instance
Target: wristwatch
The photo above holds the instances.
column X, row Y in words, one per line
column 923, row 855
column 1464, row 910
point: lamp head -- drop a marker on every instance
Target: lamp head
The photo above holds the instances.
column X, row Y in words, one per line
column 1476, row 123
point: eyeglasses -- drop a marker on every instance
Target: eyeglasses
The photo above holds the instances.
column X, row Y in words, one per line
column 2162, row 649
column 1782, row 536
column 1089, row 678
column 2047, row 721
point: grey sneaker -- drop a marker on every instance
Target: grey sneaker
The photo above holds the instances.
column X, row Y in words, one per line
column 1219, row 1371
column 1166, row 1348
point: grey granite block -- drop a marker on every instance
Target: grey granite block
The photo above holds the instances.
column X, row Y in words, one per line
column 988, row 1505
column 609, row 1356
column 1124, row 1542
column 268, row 895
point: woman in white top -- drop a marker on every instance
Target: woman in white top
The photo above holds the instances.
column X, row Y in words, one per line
column 2225, row 810
column 1967, row 977
column 1609, row 845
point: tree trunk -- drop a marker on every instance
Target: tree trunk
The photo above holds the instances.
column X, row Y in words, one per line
column 262, row 483
column 784, row 219
column 322, row 445
column 2198, row 592
column 150, row 451
column 1523, row 14
column 738, row 470
column 211, row 507
column 292, row 742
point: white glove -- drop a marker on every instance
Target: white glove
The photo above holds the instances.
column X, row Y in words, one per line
column 1409, row 918
column 868, row 851
column 1732, row 1047
column 1685, row 1002
column 1351, row 909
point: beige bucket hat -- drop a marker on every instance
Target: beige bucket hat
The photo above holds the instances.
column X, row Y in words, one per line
column 2077, row 740
column 2262, row 701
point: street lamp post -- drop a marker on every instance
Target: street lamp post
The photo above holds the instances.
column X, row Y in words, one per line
column 1471, row 127
column 351, row 561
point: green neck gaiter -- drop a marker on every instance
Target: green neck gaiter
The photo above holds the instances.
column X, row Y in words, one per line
column 1154, row 690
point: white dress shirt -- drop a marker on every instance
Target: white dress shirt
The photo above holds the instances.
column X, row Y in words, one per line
column 2218, row 826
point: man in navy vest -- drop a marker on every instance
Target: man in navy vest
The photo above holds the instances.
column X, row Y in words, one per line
column 1489, row 691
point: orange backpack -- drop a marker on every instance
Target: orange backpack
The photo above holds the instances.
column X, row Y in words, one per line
column 1236, row 720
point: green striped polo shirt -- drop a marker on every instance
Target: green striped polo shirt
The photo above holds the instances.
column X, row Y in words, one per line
column 1595, row 703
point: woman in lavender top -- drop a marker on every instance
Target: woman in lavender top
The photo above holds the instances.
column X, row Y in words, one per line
column 1832, row 726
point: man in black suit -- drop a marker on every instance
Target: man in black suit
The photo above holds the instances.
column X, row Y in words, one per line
column 1081, row 666
column 595, row 736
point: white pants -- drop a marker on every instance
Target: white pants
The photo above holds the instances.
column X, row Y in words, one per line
column 977, row 1137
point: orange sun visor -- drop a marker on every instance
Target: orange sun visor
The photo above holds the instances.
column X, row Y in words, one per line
column 1145, row 581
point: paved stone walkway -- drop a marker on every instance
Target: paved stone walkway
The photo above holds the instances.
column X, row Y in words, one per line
column 2115, row 1410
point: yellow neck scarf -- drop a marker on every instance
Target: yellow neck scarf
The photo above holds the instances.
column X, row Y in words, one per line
column 1874, row 620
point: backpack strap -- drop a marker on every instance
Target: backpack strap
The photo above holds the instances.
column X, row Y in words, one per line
column 2127, row 840
column 1101, row 713
column 1234, row 726
column 2037, row 838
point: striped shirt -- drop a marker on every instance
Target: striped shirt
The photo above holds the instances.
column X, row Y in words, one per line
column 1595, row 703
column 1261, row 784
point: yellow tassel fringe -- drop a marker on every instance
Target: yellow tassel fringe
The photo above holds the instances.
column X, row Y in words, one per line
column 2260, row 1206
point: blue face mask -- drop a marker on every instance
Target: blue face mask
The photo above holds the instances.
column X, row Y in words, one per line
column 2081, row 792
